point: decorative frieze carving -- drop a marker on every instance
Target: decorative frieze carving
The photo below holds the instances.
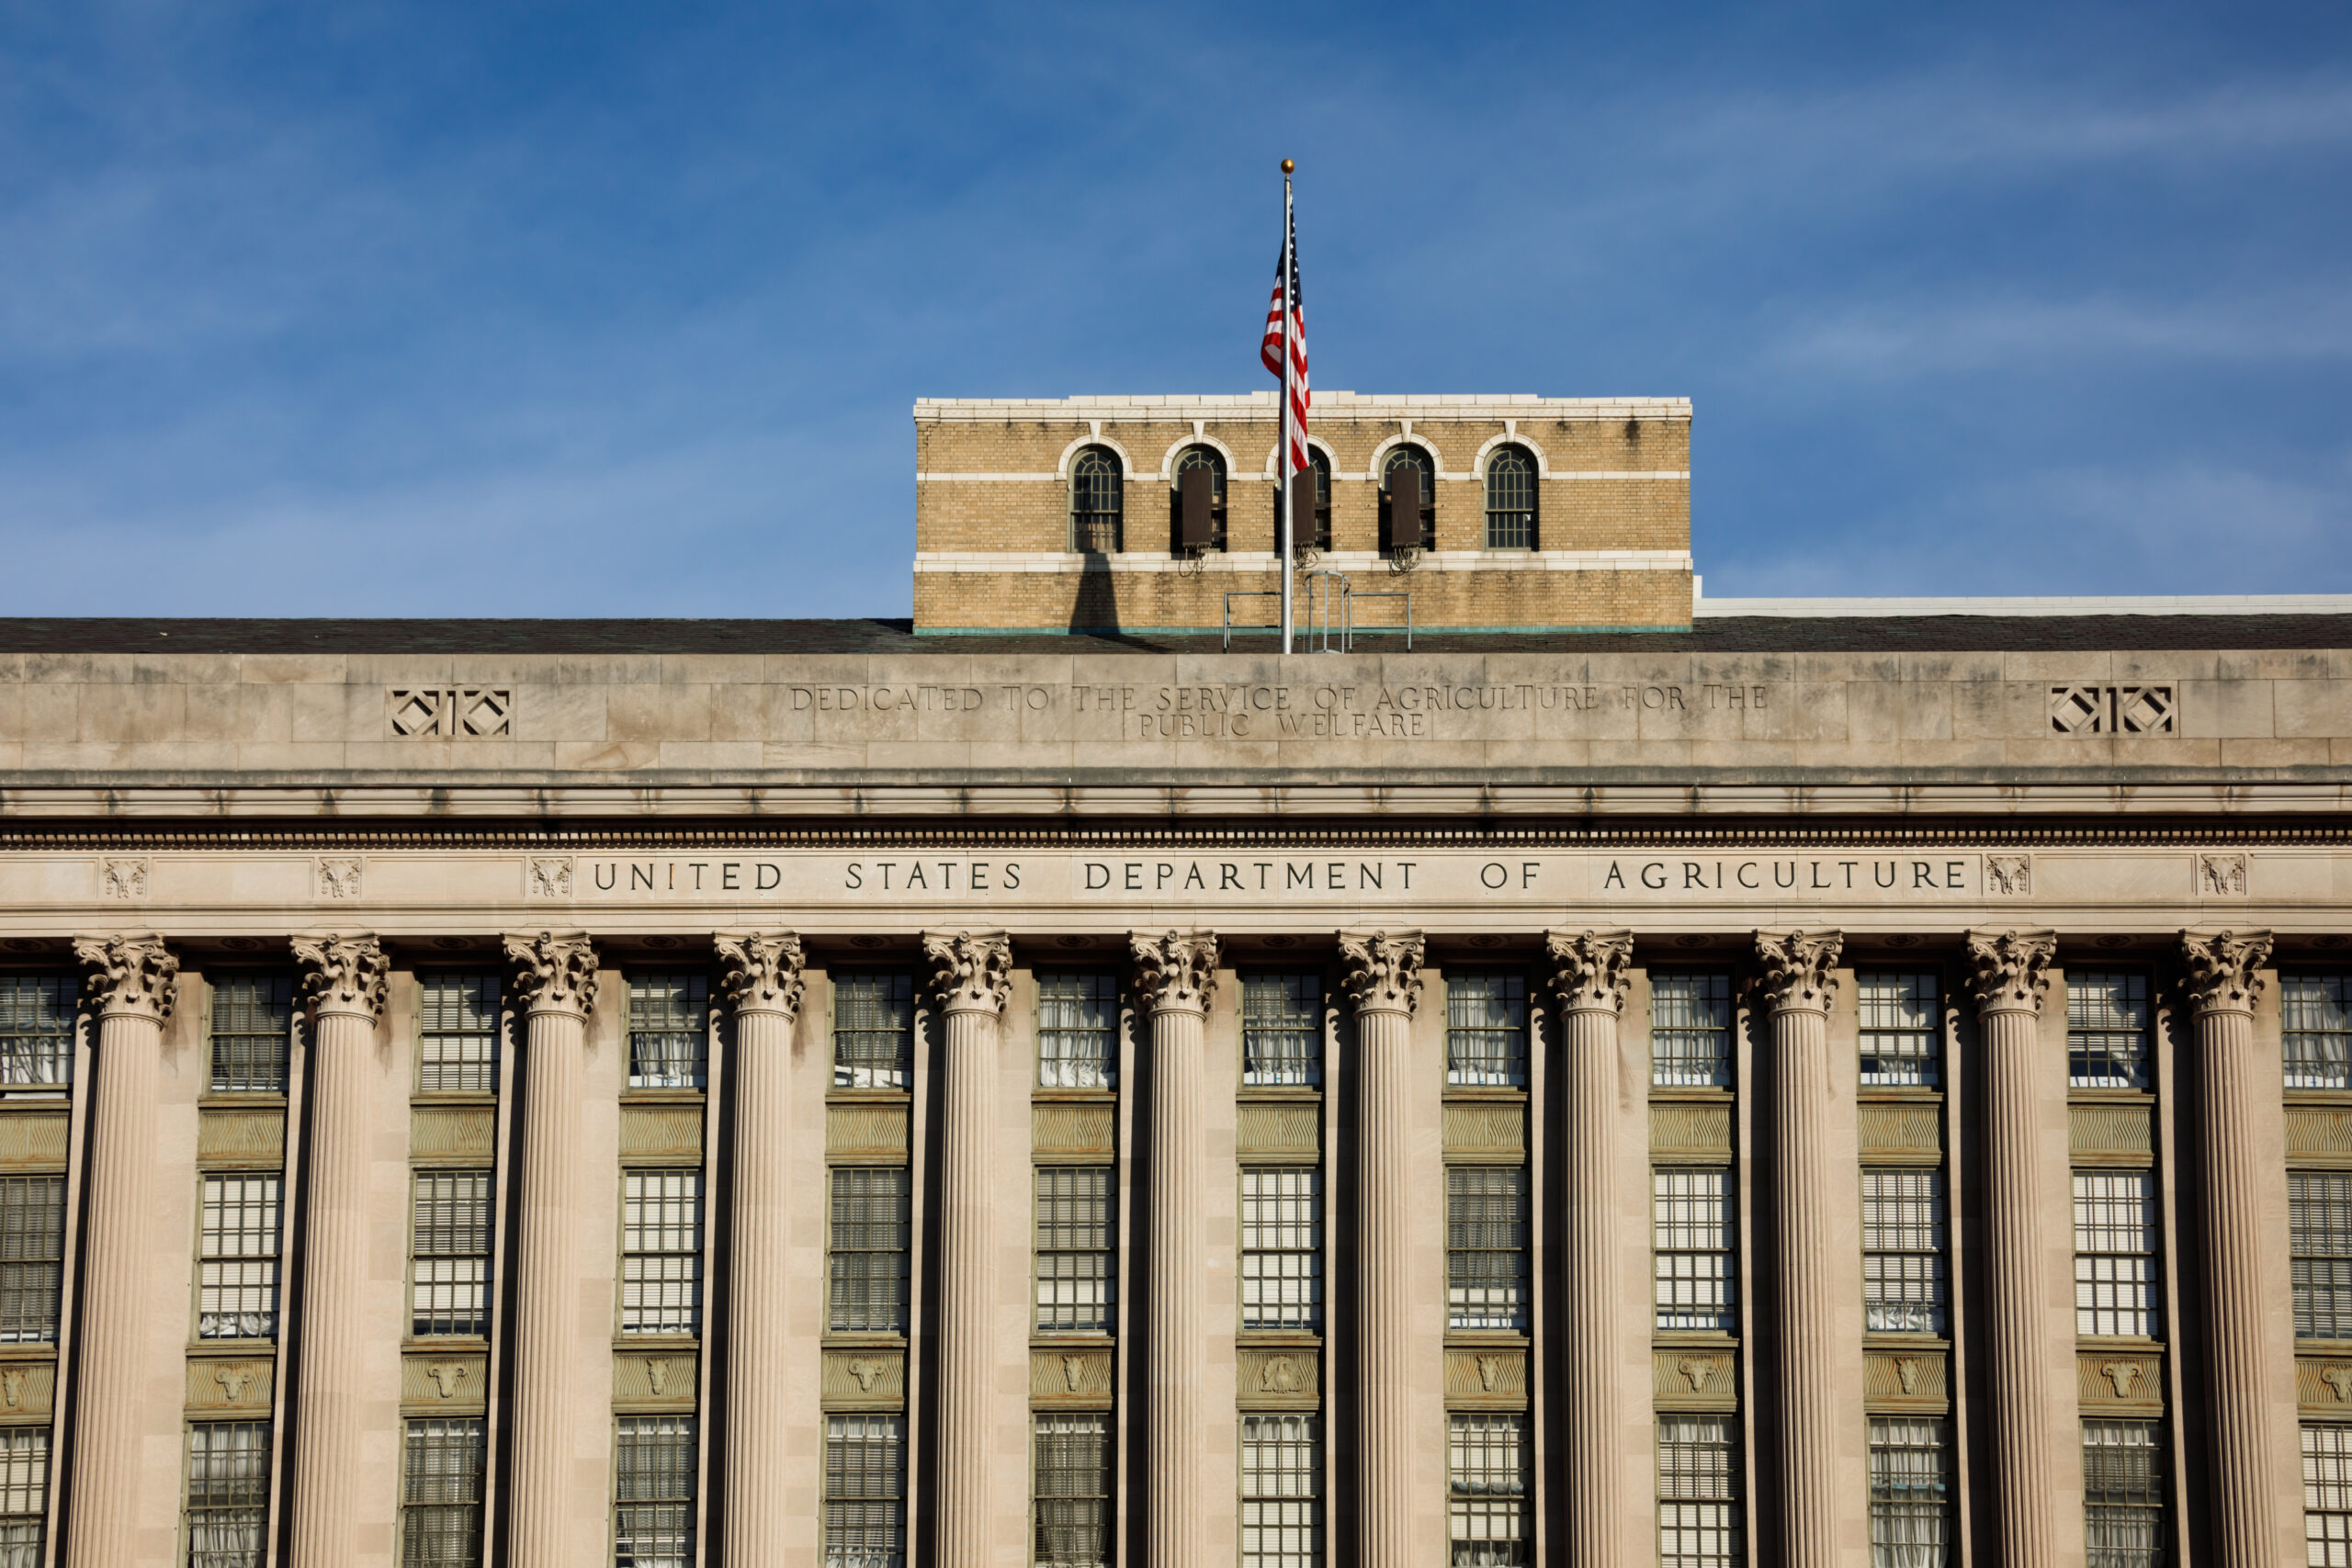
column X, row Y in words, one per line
column 1905, row 1380
column 760, row 971
column 972, row 971
column 34, row 1140
column 866, row 1131
column 655, row 1378
column 554, row 971
column 466, row 1133
column 1175, row 970
column 1483, row 1378
column 133, row 974
column 2318, row 1135
column 27, row 1390
column 344, row 973
column 865, row 1378
column 252, row 1136
column 123, row 876
column 2220, row 876
column 1690, row 1130
column 1382, row 970
column 1494, row 1130
column 450, row 712
column 2110, row 1133
column 1682, row 1378
column 338, row 876
column 1901, row 1133
column 1268, row 1129
column 548, row 876
column 2009, row 970
column 2081, row 711
column 2224, row 968
column 1592, row 971
column 671, row 1133
column 2011, row 876
column 213, row 1386
column 1799, row 969
column 1071, row 1377
column 2118, row 1384
column 441, row 1383
column 2323, row 1386
column 1279, row 1378
column 1069, row 1132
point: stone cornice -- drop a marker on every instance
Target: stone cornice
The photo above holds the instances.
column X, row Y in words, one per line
column 1799, row 969
column 554, row 971
column 760, row 971
column 1383, row 970
column 970, row 971
column 344, row 973
column 1592, row 971
column 2009, row 970
column 2224, row 968
column 1174, row 971
column 128, row 976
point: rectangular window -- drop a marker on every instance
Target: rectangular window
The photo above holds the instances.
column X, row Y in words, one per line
column 441, row 1485
column 237, row 1269
column 37, row 1030
column 1901, row 1042
column 669, row 1029
column 1282, row 1492
column 866, row 1491
column 1282, row 1029
column 449, row 1253
column 228, row 1493
column 873, row 1223
column 661, row 1252
column 2327, row 1497
column 1700, row 1524
column 653, row 1491
column 457, row 1035
column 874, row 1031
column 1486, row 1247
column 32, row 1257
column 2315, row 1019
column 1075, row 1241
column 1078, row 1029
column 1910, row 1492
column 2123, row 1494
column 1486, row 1476
column 253, row 1029
column 2115, row 1253
column 1903, row 1287
column 2106, row 1030
column 1693, row 1249
column 2319, row 1237
column 24, row 1494
column 1486, row 1029
column 1690, row 1030
column 1072, row 1503
column 1282, row 1247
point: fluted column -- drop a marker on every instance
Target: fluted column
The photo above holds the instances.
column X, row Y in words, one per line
column 1384, row 980
column 1175, row 974
column 344, row 977
column 762, row 974
column 1797, row 981
column 2233, row 1077
column 971, row 974
column 555, row 978
column 1589, row 975
column 2008, row 974
column 130, row 985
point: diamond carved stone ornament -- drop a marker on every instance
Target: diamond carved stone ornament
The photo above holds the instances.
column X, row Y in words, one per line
column 2009, row 970
column 344, row 973
column 134, row 974
column 1383, row 970
column 2224, row 968
column 1592, row 971
column 760, row 971
column 972, row 971
column 554, row 971
column 1799, row 969
column 1175, row 972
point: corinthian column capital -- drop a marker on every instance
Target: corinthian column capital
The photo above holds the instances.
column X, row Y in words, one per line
column 1175, row 972
column 344, row 973
column 2224, row 968
column 972, row 971
column 1798, row 969
column 135, row 976
column 760, row 971
column 554, row 971
column 1384, row 970
column 1589, row 969
column 2009, row 970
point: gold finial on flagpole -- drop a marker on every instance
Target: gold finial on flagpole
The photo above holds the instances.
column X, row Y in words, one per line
column 1288, row 165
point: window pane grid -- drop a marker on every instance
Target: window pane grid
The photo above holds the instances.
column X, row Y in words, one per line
column 866, row 1491
column 252, row 1025
column 32, row 1257
column 24, row 1494
column 237, row 1269
column 669, row 1029
column 1690, row 1030
column 873, row 1224
column 1910, row 1493
column 1902, row 1042
column 1073, row 1491
column 1905, row 1289
column 449, row 1253
column 1282, row 1492
column 228, row 1493
column 1075, row 1261
column 1487, row 1491
column 2327, row 1497
column 441, row 1493
column 2123, row 1494
column 2115, row 1253
column 1700, row 1523
column 661, row 1252
column 1078, row 1017
column 2106, row 1030
column 457, row 1035
column 1282, row 1247
column 874, row 1031
column 2315, row 1020
column 653, row 1503
column 1097, row 495
column 1486, row 1247
column 2318, row 1231
column 1486, row 1029
column 1511, row 501
column 1282, row 1029
column 37, row 1029
column 1693, row 1255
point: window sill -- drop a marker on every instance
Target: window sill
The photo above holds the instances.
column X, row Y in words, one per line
column 453, row 1097
column 1043, row 1095
column 864, row 1339
column 28, row 1350
column 656, row 1341
column 1898, row 1094
column 229, row 1349
column 838, row 1095
column 1899, row 1339
column 1486, row 1338
column 2093, row 1344
column 1280, row 1091
column 1709, row 1338
column 255, row 1099
column 1072, row 1338
column 1704, row 1094
column 2336, row 1098
column 1514, row 1094
column 460, row 1343
column 2076, row 1095
column 1267, row 1338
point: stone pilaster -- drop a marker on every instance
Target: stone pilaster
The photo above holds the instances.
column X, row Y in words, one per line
column 345, row 978
column 130, row 985
column 2233, row 1080
column 1795, row 987
column 971, row 975
column 555, row 980
column 761, row 973
column 1175, row 974
column 2009, row 976
column 1590, row 978
column 1384, row 980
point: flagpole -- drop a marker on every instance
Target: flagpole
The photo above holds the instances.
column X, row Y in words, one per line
column 1281, row 440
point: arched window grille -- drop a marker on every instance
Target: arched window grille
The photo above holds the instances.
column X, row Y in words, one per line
column 1407, row 508
column 1510, row 500
column 1097, row 496
column 1319, row 535
column 1191, row 458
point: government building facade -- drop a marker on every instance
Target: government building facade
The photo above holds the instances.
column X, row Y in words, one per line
column 1615, row 1081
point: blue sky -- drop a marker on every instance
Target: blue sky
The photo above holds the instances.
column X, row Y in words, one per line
column 539, row 310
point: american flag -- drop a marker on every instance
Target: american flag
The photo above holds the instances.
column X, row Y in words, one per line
column 1293, row 374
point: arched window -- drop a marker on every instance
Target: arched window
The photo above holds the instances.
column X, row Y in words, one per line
column 1097, row 496
column 1197, row 459
column 1407, row 499
column 1510, row 500
column 1306, row 536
